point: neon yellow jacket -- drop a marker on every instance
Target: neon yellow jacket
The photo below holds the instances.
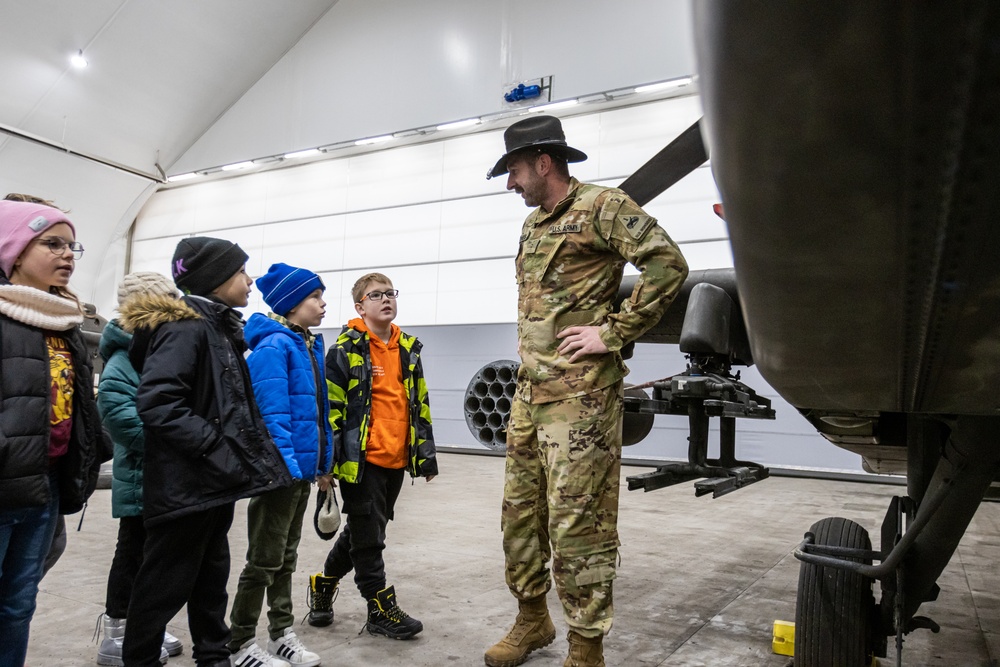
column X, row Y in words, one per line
column 349, row 388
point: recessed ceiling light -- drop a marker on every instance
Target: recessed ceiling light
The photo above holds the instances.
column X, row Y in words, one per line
column 468, row 122
column 663, row 85
column 181, row 177
column 77, row 60
column 373, row 140
column 237, row 165
column 555, row 105
column 297, row 154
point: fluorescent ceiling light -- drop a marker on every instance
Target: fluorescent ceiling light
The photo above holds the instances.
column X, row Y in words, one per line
column 621, row 92
column 555, row 105
column 334, row 147
column 77, row 60
column 373, row 140
column 297, row 154
column 468, row 122
column 181, row 177
column 237, row 165
column 663, row 85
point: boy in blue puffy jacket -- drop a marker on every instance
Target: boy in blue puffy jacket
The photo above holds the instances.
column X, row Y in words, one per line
column 289, row 383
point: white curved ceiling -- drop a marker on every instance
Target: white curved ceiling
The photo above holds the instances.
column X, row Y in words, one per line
column 180, row 85
column 160, row 75
column 160, row 72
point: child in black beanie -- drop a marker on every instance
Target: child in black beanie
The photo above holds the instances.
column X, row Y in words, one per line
column 206, row 447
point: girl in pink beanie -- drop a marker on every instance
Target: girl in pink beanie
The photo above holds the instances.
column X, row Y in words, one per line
column 53, row 443
column 21, row 223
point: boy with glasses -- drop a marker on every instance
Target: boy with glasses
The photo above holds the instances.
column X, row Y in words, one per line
column 381, row 426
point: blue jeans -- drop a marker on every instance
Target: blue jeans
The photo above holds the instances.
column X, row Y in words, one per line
column 25, row 536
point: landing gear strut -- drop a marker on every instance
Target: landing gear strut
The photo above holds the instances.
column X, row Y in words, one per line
column 918, row 540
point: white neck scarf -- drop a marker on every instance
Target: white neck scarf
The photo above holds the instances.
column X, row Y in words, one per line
column 39, row 309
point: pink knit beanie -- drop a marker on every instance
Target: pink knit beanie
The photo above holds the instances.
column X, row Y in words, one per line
column 20, row 223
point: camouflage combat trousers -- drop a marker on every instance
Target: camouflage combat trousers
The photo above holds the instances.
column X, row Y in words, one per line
column 561, row 500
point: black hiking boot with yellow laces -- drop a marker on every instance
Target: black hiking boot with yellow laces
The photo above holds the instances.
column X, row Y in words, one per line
column 322, row 592
column 386, row 618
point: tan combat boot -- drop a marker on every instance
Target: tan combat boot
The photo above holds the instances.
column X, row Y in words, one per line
column 584, row 651
column 532, row 630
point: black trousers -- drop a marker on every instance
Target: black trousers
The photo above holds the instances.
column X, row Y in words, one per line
column 185, row 561
column 125, row 565
column 369, row 508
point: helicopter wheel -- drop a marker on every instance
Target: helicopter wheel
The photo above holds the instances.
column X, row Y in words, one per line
column 835, row 609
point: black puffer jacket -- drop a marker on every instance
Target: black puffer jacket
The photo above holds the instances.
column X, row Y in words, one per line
column 25, row 397
column 206, row 443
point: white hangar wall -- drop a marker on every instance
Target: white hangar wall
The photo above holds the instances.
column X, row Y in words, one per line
column 425, row 215
column 370, row 67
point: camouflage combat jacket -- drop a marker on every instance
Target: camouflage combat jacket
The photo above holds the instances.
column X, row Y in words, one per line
column 569, row 269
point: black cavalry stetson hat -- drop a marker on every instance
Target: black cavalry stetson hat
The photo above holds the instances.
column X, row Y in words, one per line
column 539, row 131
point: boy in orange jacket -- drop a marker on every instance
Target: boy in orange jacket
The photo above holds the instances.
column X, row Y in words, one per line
column 381, row 423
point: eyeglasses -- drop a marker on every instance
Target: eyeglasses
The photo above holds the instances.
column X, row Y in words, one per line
column 377, row 296
column 58, row 246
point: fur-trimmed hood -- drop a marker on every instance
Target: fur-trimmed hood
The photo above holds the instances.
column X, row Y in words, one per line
column 148, row 311
column 141, row 316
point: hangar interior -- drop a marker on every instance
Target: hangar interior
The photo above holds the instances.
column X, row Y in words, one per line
column 190, row 97
column 351, row 136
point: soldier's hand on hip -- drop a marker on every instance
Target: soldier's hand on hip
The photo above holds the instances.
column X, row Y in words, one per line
column 581, row 341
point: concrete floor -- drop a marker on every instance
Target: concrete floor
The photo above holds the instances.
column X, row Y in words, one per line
column 700, row 582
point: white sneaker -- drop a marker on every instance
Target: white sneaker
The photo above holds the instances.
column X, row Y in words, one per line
column 289, row 648
column 172, row 645
column 252, row 655
column 110, row 653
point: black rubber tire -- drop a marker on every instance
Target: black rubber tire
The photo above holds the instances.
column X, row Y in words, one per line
column 835, row 609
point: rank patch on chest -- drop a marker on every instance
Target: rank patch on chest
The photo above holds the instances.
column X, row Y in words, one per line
column 565, row 229
column 636, row 225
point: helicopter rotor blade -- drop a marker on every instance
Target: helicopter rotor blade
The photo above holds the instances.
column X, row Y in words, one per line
column 680, row 157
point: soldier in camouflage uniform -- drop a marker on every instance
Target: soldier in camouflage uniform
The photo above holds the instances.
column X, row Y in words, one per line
column 564, row 437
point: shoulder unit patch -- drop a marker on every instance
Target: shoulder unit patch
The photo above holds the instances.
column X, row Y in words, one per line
column 636, row 224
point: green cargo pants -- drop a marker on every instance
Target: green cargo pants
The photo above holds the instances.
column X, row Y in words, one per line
column 274, row 528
